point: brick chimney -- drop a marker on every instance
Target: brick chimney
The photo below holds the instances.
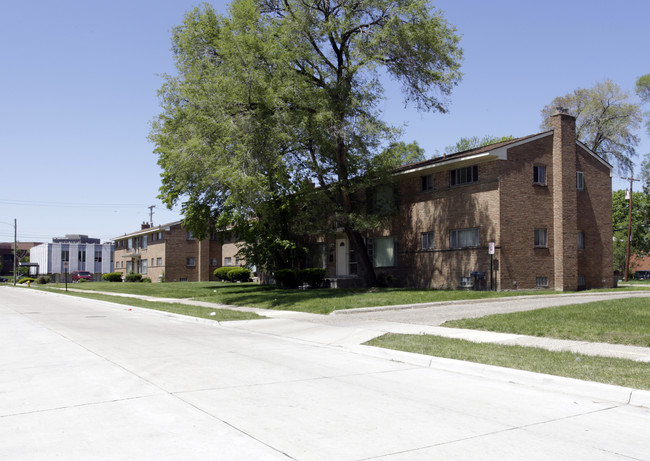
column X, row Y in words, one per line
column 144, row 225
column 565, row 201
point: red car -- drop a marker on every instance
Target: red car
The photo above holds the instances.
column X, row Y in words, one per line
column 82, row 275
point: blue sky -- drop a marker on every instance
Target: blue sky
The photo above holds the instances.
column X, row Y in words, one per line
column 80, row 78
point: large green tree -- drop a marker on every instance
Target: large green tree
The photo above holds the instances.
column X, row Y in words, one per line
column 281, row 94
column 640, row 241
column 606, row 121
column 473, row 142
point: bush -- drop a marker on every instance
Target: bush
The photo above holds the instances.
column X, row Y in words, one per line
column 42, row 280
column 112, row 277
column 239, row 274
column 221, row 273
column 133, row 277
column 313, row 276
column 385, row 280
column 146, row 279
column 26, row 279
column 287, row 278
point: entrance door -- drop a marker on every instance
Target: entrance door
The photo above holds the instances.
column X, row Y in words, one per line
column 341, row 256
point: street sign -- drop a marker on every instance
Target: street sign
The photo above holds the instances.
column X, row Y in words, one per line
column 491, row 248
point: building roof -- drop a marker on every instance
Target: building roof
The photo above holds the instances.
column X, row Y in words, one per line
column 148, row 230
column 495, row 151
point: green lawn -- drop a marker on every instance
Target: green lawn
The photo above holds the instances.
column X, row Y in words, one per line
column 622, row 321
column 320, row 301
column 600, row 369
column 219, row 315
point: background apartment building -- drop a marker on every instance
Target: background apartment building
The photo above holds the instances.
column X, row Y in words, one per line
column 79, row 252
column 170, row 253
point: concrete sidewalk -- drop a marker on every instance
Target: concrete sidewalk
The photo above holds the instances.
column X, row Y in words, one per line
column 360, row 325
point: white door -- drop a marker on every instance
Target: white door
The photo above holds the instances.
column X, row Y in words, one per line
column 341, row 256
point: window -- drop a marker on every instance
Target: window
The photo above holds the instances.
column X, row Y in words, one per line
column 152, row 264
column 541, row 282
column 581, row 281
column 540, row 238
column 539, row 175
column 189, row 235
column 384, row 252
column 427, row 240
column 129, row 244
column 144, row 242
column 129, row 266
column 427, row 182
column 82, row 256
column 65, row 255
column 581, row 240
column 160, row 234
column 580, row 180
column 144, row 266
column 463, row 238
column 189, row 261
column 98, row 256
column 214, row 261
column 384, row 199
column 158, row 261
column 227, row 261
column 465, row 175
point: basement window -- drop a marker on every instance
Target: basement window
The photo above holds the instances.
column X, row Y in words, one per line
column 541, row 282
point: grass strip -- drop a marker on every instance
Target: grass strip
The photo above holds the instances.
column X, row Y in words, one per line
column 219, row 315
column 620, row 372
column 620, row 321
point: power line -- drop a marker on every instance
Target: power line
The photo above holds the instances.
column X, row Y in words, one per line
column 70, row 204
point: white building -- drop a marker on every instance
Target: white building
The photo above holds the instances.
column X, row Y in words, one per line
column 94, row 257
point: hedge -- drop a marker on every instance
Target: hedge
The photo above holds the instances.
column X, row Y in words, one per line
column 292, row 278
column 112, row 277
column 239, row 274
column 221, row 273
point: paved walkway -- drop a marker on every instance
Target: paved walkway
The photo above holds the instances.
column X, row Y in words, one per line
column 363, row 324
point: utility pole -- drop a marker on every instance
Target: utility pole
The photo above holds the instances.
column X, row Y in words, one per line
column 15, row 249
column 629, row 229
column 151, row 214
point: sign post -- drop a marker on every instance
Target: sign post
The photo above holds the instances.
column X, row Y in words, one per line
column 491, row 251
column 65, row 267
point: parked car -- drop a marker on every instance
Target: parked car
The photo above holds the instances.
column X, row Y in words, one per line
column 3, row 280
column 642, row 275
column 81, row 275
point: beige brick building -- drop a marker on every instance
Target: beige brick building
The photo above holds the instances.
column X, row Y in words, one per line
column 168, row 252
column 543, row 202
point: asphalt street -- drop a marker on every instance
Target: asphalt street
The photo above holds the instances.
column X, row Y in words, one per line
column 83, row 379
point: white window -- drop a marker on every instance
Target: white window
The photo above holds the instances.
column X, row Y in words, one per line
column 539, row 175
column 158, row 261
column 227, row 261
column 427, row 240
column 463, row 175
column 189, row 261
column 144, row 266
column 427, row 182
column 382, row 251
column 98, row 256
column 464, row 238
column 541, row 281
column 581, row 240
column 144, row 242
column 540, row 238
column 189, row 235
column 580, row 180
column 129, row 244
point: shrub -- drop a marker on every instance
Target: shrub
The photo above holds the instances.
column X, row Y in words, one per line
column 287, row 278
column 385, row 280
column 221, row 273
column 146, row 279
column 133, row 277
column 43, row 279
column 112, row 277
column 26, row 279
column 239, row 274
column 312, row 276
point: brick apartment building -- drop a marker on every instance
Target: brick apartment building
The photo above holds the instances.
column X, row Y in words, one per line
column 544, row 201
column 168, row 252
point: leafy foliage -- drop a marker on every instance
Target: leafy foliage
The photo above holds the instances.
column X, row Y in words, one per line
column 474, row 142
column 239, row 274
column 133, row 277
column 279, row 95
column 640, row 241
column 606, row 121
column 221, row 273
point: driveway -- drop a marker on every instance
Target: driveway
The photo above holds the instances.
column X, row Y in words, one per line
column 83, row 379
